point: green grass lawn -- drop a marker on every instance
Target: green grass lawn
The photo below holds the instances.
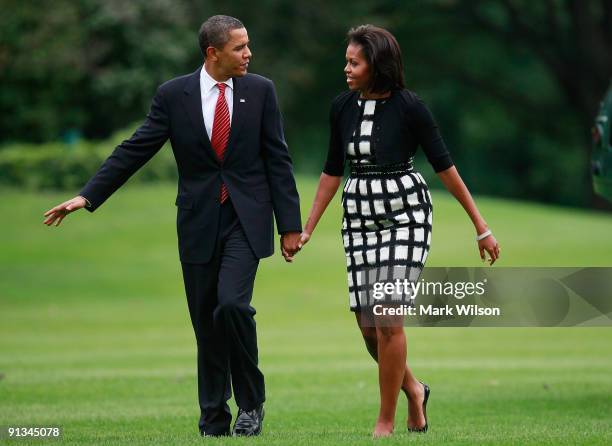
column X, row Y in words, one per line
column 95, row 333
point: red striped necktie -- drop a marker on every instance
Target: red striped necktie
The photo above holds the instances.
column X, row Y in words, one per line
column 221, row 131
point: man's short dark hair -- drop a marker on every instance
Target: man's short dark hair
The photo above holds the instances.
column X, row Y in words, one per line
column 383, row 54
column 215, row 31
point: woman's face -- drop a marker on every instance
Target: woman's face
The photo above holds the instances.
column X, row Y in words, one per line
column 357, row 69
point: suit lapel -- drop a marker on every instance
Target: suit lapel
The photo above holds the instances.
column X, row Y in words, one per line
column 192, row 100
column 240, row 102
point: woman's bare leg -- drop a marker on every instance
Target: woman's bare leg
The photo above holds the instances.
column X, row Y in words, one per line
column 411, row 387
column 391, row 367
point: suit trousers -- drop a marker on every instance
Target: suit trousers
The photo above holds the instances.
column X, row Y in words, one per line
column 219, row 298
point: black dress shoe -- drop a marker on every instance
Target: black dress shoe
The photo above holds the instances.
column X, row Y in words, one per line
column 249, row 423
column 424, row 428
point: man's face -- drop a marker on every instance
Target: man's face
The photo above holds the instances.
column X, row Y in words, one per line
column 233, row 59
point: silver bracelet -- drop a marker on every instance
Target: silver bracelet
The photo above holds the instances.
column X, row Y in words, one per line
column 483, row 235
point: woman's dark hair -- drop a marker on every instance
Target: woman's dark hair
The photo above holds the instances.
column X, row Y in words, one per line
column 384, row 57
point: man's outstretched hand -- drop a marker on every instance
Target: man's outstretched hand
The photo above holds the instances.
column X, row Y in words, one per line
column 59, row 212
column 290, row 245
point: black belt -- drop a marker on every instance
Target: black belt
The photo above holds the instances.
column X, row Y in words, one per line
column 380, row 169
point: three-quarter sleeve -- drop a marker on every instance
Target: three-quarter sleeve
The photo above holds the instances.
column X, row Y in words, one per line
column 334, row 165
column 428, row 135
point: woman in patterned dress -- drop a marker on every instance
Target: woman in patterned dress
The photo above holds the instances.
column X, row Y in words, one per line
column 376, row 128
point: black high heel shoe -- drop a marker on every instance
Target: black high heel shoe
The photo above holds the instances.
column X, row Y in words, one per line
column 424, row 428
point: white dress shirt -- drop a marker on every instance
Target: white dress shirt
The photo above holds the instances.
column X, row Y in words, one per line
column 210, row 92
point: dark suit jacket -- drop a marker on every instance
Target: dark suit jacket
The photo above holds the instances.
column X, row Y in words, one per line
column 257, row 167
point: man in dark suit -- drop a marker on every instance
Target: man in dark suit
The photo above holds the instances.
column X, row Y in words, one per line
column 234, row 168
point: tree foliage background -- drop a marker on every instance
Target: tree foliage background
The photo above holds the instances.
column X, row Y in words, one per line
column 514, row 85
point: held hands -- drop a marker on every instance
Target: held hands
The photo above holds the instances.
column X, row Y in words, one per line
column 291, row 243
column 59, row 212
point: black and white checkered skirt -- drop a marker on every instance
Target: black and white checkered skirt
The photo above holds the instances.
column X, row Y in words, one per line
column 386, row 228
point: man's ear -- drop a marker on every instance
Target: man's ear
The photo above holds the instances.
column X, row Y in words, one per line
column 211, row 53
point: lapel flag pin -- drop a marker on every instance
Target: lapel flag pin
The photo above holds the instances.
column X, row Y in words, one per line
column 242, row 100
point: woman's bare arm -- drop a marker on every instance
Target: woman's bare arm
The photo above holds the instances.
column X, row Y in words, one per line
column 455, row 185
column 328, row 185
